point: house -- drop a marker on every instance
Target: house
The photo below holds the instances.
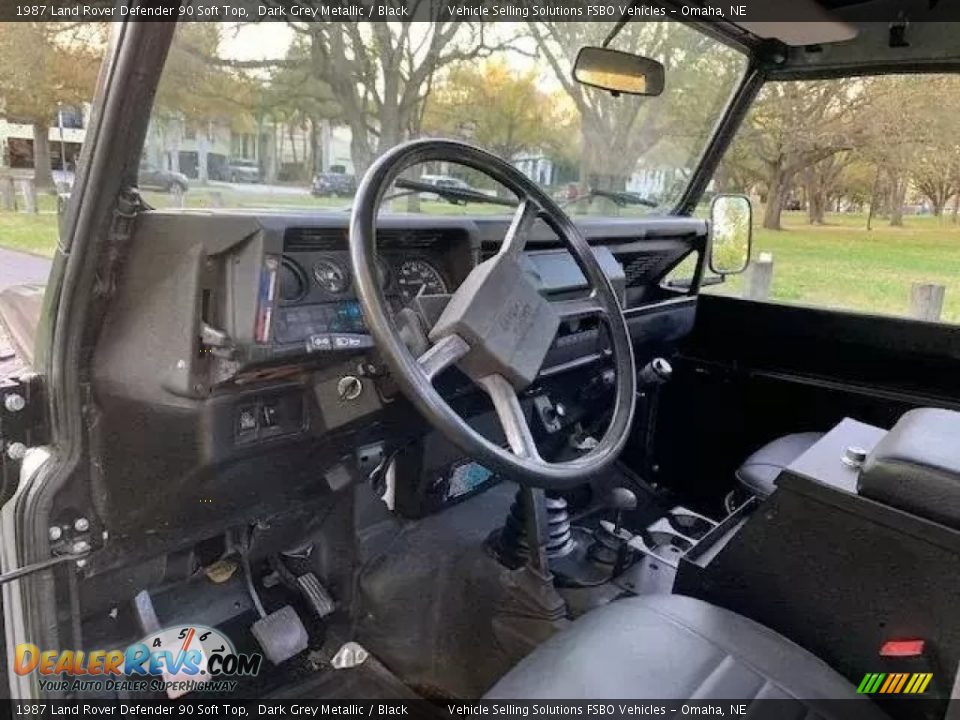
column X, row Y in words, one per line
column 66, row 133
column 198, row 150
column 201, row 151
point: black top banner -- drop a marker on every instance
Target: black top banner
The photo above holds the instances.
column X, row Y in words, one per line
column 306, row 11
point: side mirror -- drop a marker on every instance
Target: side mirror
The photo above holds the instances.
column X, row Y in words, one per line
column 619, row 72
column 731, row 234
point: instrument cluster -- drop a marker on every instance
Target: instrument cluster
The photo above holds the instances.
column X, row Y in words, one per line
column 329, row 276
column 318, row 309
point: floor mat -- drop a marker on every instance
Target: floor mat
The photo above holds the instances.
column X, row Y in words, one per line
column 370, row 680
column 427, row 599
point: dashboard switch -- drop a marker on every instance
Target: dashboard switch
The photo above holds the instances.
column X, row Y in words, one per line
column 268, row 415
column 247, row 422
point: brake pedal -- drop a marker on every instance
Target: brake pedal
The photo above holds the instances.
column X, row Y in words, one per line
column 316, row 594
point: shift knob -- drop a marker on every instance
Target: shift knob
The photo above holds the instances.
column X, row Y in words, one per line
column 656, row 372
column 618, row 500
column 621, row 499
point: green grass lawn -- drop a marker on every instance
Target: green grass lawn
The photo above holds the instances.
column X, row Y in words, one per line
column 36, row 234
column 842, row 265
column 839, row 265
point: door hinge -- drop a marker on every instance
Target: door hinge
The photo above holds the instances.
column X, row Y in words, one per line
column 23, row 425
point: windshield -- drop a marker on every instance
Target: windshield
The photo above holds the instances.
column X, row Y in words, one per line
column 323, row 100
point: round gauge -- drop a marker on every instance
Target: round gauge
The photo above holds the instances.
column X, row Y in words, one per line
column 418, row 276
column 293, row 282
column 331, row 277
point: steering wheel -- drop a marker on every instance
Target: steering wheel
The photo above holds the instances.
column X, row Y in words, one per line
column 497, row 327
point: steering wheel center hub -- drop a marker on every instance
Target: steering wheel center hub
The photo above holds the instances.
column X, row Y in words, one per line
column 507, row 323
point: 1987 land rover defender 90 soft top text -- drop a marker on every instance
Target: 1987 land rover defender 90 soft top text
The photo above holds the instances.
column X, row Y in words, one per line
column 511, row 434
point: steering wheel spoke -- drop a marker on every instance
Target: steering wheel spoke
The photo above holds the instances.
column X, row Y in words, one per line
column 523, row 219
column 512, row 420
column 586, row 306
column 442, row 355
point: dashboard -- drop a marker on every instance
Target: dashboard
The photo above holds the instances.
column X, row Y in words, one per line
column 233, row 373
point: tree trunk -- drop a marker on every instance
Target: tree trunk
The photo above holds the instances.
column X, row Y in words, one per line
column 874, row 198
column 42, row 172
column 203, row 154
column 360, row 151
column 898, row 193
column 778, row 186
column 293, row 143
column 956, row 208
column 816, row 206
column 314, row 150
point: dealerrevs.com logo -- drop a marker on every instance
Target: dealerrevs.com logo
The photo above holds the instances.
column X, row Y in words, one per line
column 176, row 660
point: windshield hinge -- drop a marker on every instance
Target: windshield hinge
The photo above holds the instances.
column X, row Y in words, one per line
column 22, row 425
column 129, row 205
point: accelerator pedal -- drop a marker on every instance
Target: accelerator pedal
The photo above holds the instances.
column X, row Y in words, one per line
column 316, row 594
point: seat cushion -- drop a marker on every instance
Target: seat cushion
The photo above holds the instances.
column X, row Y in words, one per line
column 671, row 647
column 760, row 470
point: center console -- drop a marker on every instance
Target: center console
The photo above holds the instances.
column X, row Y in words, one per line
column 859, row 545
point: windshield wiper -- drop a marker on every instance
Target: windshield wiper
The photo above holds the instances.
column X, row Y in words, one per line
column 451, row 193
column 620, row 198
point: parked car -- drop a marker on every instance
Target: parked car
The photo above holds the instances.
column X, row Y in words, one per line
column 450, row 182
column 333, row 185
column 150, row 177
column 242, row 170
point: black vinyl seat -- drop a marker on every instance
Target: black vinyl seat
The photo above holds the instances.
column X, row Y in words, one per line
column 674, row 647
column 760, row 470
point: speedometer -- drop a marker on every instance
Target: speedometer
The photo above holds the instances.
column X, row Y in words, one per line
column 419, row 276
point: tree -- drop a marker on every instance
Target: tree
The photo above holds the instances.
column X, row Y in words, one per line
column 197, row 91
column 894, row 138
column 44, row 65
column 501, row 109
column 618, row 131
column 822, row 182
column 295, row 96
column 796, row 125
column 380, row 73
column 936, row 167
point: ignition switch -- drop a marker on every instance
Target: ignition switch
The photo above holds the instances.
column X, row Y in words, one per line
column 349, row 388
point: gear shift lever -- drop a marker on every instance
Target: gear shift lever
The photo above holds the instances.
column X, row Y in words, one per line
column 618, row 500
column 656, row 372
column 608, row 547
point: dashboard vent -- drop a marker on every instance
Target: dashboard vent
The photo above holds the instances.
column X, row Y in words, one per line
column 306, row 238
column 644, row 268
column 414, row 239
column 313, row 239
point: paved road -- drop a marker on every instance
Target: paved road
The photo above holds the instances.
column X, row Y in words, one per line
column 17, row 268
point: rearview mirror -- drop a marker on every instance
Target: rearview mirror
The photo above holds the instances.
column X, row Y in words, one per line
column 618, row 72
column 731, row 234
